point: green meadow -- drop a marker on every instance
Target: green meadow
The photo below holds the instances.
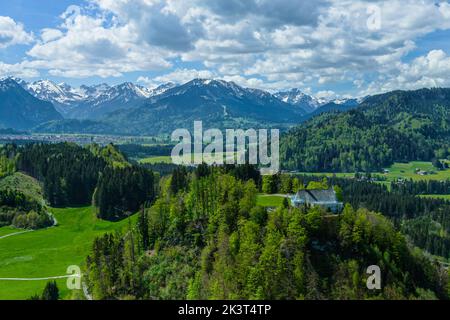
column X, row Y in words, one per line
column 49, row 252
column 154, row 160
column 8, row 230
column 168, row 159
column 398, row 171
column 408, row 171
column 328, row 174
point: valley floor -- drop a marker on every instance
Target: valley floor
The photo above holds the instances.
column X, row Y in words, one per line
column 415, row 170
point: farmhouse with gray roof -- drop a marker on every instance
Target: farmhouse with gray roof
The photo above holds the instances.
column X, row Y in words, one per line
column 322, row 198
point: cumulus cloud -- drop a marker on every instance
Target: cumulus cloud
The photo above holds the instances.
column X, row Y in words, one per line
column 85, row 46
column 269, row 13
column 49, row 34
column 179, row 76
column 18, row 70
column 158, row 23
column 430, row 70
column 318, row 44
column 12, row 33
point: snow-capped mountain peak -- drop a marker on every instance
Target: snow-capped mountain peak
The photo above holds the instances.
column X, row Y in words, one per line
column 7, row 83
column 162, row 88
column 298, row 98
column 49, row 91
column 132, row 88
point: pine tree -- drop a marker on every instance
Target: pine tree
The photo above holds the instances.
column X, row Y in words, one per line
column 51, row 291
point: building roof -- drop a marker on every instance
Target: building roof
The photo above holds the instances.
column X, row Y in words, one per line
column 316, row 196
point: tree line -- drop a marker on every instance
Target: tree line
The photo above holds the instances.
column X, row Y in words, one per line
column 22, row 211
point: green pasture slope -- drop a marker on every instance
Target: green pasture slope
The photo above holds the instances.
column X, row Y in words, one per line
column 48, row 252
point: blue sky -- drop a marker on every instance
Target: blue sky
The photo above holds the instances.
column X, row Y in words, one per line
column 327, row 48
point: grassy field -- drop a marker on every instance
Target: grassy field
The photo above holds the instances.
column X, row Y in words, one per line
column 48, row 253
column 328, row 174
column 265, row 200
column 153, row 160
column 398, row 170
column 168, row 159
column 8, row 230
column 437, row 196
column 408, row 171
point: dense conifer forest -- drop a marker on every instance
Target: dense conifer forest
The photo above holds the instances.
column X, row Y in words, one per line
column 71, row 175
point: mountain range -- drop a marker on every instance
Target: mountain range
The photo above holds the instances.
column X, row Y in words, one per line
column 219, row 104
column 339, row 136
column 133, row 109
column 90, row 102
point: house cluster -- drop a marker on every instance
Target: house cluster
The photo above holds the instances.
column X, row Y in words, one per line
column 421, row 172
column 326, row 199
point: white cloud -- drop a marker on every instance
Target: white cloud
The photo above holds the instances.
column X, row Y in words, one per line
column 18, row 70
column 155, row 22
column 179, row 76
column 12, row 33
column 326, row 95
column 259, row 43
column 84, row 46
column 430, row 70
column 49, row 34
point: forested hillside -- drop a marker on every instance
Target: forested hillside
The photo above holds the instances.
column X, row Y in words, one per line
column 426, row 221
column 121, row 191
column 76, row 176
column 68, row 172
column 209, row 240
column 397, row 126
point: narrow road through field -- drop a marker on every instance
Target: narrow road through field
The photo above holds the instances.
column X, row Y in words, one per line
column 39, row 279
column 15, row 234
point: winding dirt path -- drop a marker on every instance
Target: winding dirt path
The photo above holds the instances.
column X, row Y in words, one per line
column 15, row 234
